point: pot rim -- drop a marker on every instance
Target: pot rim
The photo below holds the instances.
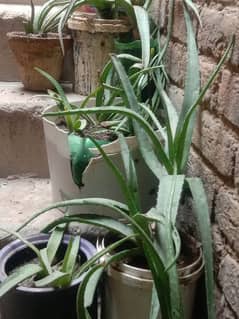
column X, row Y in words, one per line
column 111, row 148
column 143, row 276
column 83, row 21
column 17, row 245
column 49, row 36
column 146, row 273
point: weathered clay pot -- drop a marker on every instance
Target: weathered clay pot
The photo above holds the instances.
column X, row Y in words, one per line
column 32, row 51
column 93, row 42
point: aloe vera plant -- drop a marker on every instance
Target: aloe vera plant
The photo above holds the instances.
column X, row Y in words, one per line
column 47, row 271
column 167, row 155
column 161, row 251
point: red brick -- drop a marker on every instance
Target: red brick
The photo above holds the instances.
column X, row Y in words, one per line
column 218, row 27
column 227, row 217
column 216, row 143
column 176, row 63
column 196, row 167
column 229, row 281
column 228, row 96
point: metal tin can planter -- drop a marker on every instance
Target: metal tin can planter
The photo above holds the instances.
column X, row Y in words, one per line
column 38, row 303
column 127, row 290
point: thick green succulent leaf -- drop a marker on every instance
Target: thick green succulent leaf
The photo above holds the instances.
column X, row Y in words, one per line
column 55, row 279
column 18, row 276
column 109, row 223
column 157, row 154
column 87, row 290
column 155, row 307
column 203, row 221
column 130, row 171
column 142, row 18
column 126, row 189
column 194, row 8
column 70, row 258
column 182, row 135
column 54, row 243
column 169, row 195
column 112, row 204
column 191, row 93
column 46, row 266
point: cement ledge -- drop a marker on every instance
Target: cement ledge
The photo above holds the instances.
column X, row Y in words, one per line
column 22, row 141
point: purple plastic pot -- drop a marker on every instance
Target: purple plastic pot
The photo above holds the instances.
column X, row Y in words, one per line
column 39, row 303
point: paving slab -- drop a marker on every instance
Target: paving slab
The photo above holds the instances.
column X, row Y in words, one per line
column 20, row 197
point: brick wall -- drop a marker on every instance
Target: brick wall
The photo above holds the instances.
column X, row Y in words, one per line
column 215, row 151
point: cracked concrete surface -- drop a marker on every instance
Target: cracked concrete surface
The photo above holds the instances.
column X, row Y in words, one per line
column 20, row 197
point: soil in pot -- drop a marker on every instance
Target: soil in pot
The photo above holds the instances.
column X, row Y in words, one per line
column 44, row 52
column 26, row 302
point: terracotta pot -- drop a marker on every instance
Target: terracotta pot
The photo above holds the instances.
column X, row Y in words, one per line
column 93, row 43
column 37, row 51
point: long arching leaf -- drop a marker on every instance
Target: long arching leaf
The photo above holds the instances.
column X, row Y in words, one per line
column 18, row 276
column 191, row 93
column 203, row 221
column 109, row 223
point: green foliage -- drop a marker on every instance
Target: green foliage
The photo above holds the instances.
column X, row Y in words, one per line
column 166, row 154
column 47, row 18
column 165, row 151
column 50, row 272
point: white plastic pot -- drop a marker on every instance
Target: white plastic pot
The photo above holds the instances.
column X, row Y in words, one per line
column 98, row 179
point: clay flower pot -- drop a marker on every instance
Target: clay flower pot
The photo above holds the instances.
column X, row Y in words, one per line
column 32, row 51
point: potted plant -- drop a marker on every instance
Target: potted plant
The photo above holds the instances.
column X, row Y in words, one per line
column 141, row 243
column 39, row 45
column 37, row 275
column 113, row 93
column 95, row 25
column 168, row 160
column 76, row 169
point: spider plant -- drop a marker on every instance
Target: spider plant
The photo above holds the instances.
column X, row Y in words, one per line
column 148, row 59
column 47, row 18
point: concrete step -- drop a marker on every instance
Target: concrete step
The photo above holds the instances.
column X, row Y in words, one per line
column 20, row 197
column 21, row 133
